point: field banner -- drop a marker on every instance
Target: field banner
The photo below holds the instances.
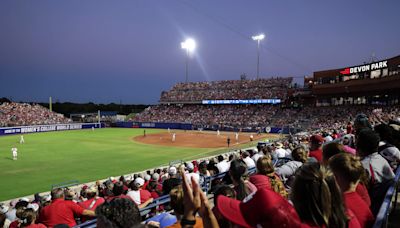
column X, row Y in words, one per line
column 46, row 128
column 183, row 126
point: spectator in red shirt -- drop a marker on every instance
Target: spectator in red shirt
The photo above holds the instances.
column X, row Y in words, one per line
column 348, row 171
column 318, row 200
column 316, row 142
column 92, row 202
column 61, row 211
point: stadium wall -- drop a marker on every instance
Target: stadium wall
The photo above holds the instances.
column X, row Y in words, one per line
column 47, row 128
column 188, row 126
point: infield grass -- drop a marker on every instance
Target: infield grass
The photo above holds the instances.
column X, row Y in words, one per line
column 83, row 155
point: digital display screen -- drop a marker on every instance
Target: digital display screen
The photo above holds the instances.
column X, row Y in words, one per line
column 255, row 101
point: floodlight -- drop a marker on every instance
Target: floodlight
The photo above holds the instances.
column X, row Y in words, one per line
column 189, row 45
column 258, row 37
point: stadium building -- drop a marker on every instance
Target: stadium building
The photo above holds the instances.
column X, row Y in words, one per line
column 376, row 83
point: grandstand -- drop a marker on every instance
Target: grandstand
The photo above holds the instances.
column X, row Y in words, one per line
column 329, row 123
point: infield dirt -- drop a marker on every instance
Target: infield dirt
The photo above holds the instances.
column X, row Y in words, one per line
column 197, row 139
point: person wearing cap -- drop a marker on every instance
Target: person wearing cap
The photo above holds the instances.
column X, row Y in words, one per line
column 172, row 180
column 316, row 142
column 247, row 159
column 190, row 172
column 140, row 196
column 28, row 217
column 279, row 151
column 380, row 174
column 92, row 202
column 222, row 164
column 62, row 211
column 4, row 221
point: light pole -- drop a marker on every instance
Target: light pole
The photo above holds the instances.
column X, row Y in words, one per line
column 189, row 45
column 258, row 38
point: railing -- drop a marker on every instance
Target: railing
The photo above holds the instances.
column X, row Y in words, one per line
column 383, row 215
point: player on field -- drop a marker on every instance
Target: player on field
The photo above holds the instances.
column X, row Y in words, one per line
column 251, row 137
column 21, row 140
column 14, row 153
column 173, row 137
column 237, row 136
column 228, row 141
column 218, row 133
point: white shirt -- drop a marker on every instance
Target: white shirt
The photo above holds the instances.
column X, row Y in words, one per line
column 14, row 150
column 135, row 196
column 249, row 162
column 223, row 166
column 280, row 153
column 195, row 176
column 380, row 167
column 257, row 156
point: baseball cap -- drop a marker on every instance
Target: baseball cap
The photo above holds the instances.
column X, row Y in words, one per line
column 317, row 139
column 139, row 181
column 190, row 166
column 276, row 211
column 3, row 208
column 33, row 206
column 155, row 176
column 147, row 177
column 172, row 170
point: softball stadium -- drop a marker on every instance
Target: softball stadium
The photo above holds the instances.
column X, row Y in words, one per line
column 261, row 138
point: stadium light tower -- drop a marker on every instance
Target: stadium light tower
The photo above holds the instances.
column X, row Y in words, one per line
column 258, row 38
column 189, row 45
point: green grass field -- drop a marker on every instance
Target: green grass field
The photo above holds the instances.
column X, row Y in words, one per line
column 83, row 155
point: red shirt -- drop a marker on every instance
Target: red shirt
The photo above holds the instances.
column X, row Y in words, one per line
column 60, row 211
column 363, row 192
column 144, row 195
column 118, row 197
column 360, row 209
column 317, row 154
column 36, row 226
column 87, row 204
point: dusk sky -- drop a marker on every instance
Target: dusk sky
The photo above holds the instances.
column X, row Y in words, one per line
column 129, row 51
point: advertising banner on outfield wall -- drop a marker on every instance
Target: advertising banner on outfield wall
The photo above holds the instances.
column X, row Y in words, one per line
column 46, row 128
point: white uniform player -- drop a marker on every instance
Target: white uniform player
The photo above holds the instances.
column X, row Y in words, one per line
column 218, row 133
column 173, row 137
column 21, row 140
column 14, row 153
column 251, row 137
column 237, row 136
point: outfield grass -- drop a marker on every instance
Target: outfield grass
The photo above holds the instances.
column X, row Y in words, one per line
column 83, row 155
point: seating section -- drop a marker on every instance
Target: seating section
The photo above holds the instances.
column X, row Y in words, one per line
column 24, row 114
column 228, row 89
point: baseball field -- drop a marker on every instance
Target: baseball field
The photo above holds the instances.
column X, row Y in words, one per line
column 85, row 155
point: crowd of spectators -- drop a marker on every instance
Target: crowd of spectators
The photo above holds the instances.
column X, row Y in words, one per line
column 242, row 116
column 228, row 89
column 335, row 177
column 24, row 114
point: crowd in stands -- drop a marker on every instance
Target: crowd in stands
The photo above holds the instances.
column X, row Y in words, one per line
column 24, row 114
column 335, row 177
column 242, row 116
column 228, row 89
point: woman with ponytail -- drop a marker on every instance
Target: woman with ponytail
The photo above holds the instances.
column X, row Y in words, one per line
column 238, row 172
column 318, row 200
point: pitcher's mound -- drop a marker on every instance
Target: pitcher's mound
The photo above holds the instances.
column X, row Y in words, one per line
column 196, row 139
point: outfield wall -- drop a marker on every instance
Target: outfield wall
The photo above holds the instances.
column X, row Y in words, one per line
column 188, row 126
column 47, row 128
